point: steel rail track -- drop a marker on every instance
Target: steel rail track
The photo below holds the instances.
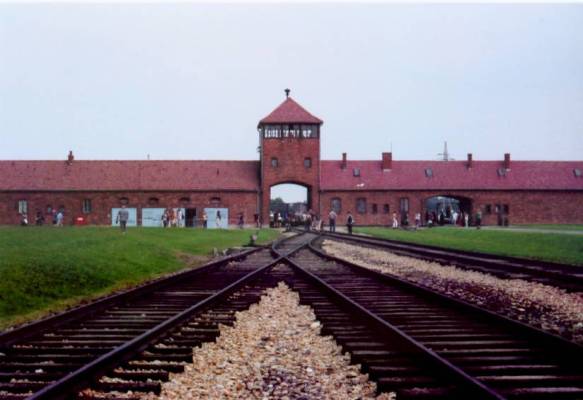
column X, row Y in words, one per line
column 50, row 358
column 411, row 340
column 566, row 276
column 507, row 358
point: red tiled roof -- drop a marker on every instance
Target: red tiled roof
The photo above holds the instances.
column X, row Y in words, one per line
column 290, row 112
column 129, row 175
column 452, row 175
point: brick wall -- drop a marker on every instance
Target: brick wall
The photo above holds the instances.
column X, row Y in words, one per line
column 546, row 207
column 103, row 202
column 290, row 154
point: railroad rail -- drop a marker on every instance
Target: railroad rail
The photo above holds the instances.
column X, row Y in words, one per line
column 410, row 340
column 566, row 276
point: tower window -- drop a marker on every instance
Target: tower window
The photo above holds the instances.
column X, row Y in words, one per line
column 87, row 206
column 274, row 162
column 308, row 162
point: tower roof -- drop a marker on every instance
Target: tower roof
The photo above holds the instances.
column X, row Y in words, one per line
column 290, row 112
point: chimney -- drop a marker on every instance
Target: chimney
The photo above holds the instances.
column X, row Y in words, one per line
column 470, row 161
column 507, row 161
column 387, row 161
column 70, row 157
column 343, row 165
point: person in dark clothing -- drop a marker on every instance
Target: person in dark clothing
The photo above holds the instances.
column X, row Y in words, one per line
column 478, row 219
column 40, row 218
column 349, row 222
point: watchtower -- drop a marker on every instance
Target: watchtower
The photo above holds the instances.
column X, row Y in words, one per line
column 289, row 140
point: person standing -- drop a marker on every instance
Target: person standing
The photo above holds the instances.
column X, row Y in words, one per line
column 122, row 218
column 417, row 220
column 60, row 217
column 478, row 219
column 241, row 221
column 395, row 220
column 40, row 218
column 218, row 218
column 204, row 220
column 165, row 219
column 349, row 222
column 466, row 219
column 332, row 220
column 23, row 219
column 179, row 217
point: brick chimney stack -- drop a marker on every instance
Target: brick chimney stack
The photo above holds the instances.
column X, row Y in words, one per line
column 470, row 160
column 387, row 163
column 343, row 165
column 507, row 160
column 70, row 157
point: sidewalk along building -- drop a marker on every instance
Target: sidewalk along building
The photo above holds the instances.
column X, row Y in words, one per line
column 505, row 191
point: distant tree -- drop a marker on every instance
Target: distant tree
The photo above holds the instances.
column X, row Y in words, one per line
column 277, row 205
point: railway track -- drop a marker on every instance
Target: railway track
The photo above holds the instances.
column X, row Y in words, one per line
column 507, row 358
column 411, row 341
column 568, row 277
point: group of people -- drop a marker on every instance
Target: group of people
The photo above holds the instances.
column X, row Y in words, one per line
column 57, row 218
column 451, row 217
column 173, row 218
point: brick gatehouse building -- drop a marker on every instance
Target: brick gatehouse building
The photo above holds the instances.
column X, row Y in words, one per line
column 515, row 191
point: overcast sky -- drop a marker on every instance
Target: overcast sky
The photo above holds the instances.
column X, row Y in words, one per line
column 191, row 81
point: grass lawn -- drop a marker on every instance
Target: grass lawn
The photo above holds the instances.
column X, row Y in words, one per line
column 543, row 246
column 554, row 227
column 47, row 269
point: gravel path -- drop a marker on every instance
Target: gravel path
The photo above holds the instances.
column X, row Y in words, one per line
column 274, row 351
column 546, row 307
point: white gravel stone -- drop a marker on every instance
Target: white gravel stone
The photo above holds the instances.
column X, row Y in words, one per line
column 550, row 308
column 273, row 351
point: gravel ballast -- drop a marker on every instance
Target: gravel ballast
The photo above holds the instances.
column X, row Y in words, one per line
column 273, row 351
column 547, row 307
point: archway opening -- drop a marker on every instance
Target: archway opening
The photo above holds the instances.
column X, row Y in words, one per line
column 288, row 204
column 447, row 210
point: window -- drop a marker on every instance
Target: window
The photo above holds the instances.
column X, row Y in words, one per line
column 274, row 162
column 336, row 205
column 488, row 208
column 361, row 205
column 505, row 209
column 375, row 208
column 86, row 206
column 577, row 172
column 429, row 172
column 386, row 208
column 153, row 201
column 124, row 201
column 22, row 206
column 308, row 162
column 215, row 201
column 404, row 204
column 356, row 172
